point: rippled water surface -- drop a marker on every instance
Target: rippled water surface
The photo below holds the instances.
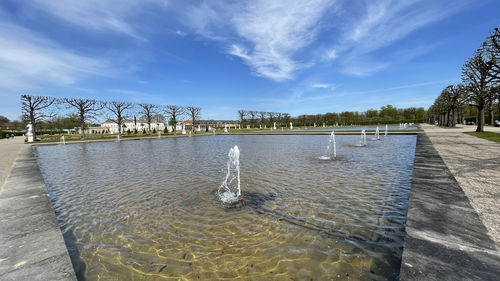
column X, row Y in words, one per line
column 147, row 209
column 356, row 128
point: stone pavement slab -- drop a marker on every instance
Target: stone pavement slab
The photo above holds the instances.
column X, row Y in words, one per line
column 445, row 238
column 9, row 148
column 475, row 164
column 31, row 244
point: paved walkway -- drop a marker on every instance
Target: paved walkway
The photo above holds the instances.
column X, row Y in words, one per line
column 31, row 244
column 9, row 149
column 475, row 164
column 445, row 239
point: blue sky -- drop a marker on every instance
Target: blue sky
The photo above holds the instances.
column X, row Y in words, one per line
column 299, row 57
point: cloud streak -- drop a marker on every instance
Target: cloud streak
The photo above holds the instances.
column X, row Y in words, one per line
column 118, row 16
column 276, row 39
column 266, row 35
column 29, row 60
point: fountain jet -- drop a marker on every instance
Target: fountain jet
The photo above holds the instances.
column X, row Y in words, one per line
column 362, row 141
column 331, row 149
column 230, row 191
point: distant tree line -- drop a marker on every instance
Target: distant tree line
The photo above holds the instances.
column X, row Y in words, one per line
column 261, row 118
column 480, row 88
column 387, row 114
column 42, row 113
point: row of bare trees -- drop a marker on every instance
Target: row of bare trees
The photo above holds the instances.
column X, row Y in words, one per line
column 253, row 118
column 480, row 86
column 38, row 108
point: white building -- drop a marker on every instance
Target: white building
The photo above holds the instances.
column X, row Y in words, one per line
column 140, row 126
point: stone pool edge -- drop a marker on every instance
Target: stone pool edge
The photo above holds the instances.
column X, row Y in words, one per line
column 32, row 245
column 445, row 238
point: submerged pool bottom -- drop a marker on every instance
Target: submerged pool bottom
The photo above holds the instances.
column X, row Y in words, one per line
column 148, row 209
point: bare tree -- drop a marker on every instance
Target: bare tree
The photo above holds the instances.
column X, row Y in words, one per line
column 119, row 110
column 279, row 116
column 478, row 74
column 286, row 119
column 34, row 109
column 496, row 94
column 262, row 117
column 87, row 109
column 241, row 115
column 253, row 115
column 4, row 120
column 271, row 116
column 453, row 97
column 195, row 115
column 174, row 112
column 149, row 110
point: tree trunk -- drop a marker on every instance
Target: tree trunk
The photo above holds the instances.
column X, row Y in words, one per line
column 490, row 113
column 119, row 123
column 480, row 119
column 82, row 127
column 33, row 123
column 454, row 117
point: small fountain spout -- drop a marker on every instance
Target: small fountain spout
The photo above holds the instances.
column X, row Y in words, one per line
column 362, row 141
column 230, row 189
column 332, row 145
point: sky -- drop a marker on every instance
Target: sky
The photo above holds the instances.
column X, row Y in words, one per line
column 300, row 57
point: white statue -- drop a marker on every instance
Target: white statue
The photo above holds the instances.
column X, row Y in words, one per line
column 30, row 132
column 291, row 126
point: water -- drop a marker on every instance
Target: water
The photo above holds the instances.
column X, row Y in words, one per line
column 358, row 128
column 362, row 140
column 331, row 148
column 377, row 134
column 230, row 189
column 148, row 209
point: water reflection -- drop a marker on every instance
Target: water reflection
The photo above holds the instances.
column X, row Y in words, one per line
column 147, row 210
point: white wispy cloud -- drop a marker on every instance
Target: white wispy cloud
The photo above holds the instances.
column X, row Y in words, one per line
column 29, row 60
column 386, row 21
column 98, row 15
column 322, row 86
column 267, row 35
column 277, row 38
column 383, row 23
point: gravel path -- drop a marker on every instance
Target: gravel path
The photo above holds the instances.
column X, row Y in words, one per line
column 475, row 164
column 9, row 149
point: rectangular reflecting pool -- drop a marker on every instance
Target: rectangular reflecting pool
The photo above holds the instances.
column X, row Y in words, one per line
column 148, row 209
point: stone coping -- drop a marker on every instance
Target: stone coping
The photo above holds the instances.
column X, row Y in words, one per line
column 31, row 243
column 445, row 238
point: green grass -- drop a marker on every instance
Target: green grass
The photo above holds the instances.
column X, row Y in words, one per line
column 491, row 136
column 96, row 137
